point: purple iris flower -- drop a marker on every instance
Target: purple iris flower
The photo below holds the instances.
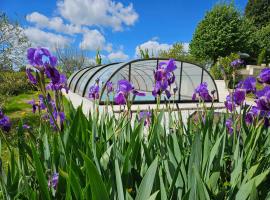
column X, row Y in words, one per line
column 62, row 84
column 237, row 63
column 158, row 75
column 171, row 79
column 239, row 96
column 146, row 116
column 264, row 76
column 229, row 125
column 263, row 99
column 109, row 86
column 229, row 104
column 5, row 123
column 169, row 66
column 262, row 107
column 156, row 91
column 263, row 103
column 41, row 102
column 164, row 77
column 252, row 114
column 264, row 92
column 249, row 84
column 53, row 181
column 30, row 76
column 53, row 74
column 53, row 61
column 62, row 117
column 202, row 92
column 25, row 126
column 34, row 105
column 120, row 98
column 40, row 56
column 30, row 56
column 137, row 93
column 125, row 86
column 94, row 92
column 168, row 94
column 56, row 115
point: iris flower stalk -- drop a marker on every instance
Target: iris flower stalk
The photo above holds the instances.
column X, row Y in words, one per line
column 44, row 62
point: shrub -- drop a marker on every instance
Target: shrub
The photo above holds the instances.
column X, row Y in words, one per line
column 222, row 68
column 14, row 83
column 216, row 72
column 261, row 57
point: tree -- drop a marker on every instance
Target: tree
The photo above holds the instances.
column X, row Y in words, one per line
column 220, row 33
column 13, row 44
column 258, row 11
column 176, row 52
column 263, row 37
column 71, row 59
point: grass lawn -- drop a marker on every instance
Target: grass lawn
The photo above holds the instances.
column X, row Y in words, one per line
column 17, row 109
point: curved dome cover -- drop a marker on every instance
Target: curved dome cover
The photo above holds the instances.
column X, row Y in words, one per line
column 140, row 74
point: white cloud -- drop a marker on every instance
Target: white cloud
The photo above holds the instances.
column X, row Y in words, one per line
column 46, row 39
column 118, row 56
column 98, row 12
column 153, row 47
column 55, row 23
column 92, row 40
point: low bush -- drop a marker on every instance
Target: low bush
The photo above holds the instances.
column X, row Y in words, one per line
column 14, row 83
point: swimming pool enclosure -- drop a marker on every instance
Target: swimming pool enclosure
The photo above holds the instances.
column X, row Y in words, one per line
column 140, row 73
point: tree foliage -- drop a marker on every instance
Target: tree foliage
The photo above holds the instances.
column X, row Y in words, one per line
column 222, row 68
column 71, row 59
column 220, row 33
column 258, row 11
column 263, row 37
column 13, row 43
column 176, row 52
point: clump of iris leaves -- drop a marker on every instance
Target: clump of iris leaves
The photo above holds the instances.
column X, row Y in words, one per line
column 105, row 156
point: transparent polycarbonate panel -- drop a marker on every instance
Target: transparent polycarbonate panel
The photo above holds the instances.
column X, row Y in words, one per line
column 75, row 79
column 121, row 74
column 142, row 75
column 71, row 77
column 191, row 78
column 103, row 74
column 84, row 79
column 210, row 83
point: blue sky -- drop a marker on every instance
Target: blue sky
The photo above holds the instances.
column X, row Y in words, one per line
column 117, row 27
